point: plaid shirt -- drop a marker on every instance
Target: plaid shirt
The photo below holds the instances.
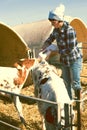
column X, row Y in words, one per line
column 67, row 43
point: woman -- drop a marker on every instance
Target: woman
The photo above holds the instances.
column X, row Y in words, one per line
column 70, row 55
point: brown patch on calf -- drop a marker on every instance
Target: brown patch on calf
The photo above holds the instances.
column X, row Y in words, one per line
column 22, row 67
column 21, row 77
column 51, row 115
column 43, row 81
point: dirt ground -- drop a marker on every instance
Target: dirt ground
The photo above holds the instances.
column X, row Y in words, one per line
column 32, row 116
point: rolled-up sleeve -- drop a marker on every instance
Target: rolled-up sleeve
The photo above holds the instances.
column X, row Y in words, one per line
column 49, row 40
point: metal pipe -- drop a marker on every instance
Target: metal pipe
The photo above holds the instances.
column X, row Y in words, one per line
column 14, row 127
column 29, row 97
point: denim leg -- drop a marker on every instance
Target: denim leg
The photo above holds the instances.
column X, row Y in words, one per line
column 75, row 69
column 67, row 78
column 71, row 76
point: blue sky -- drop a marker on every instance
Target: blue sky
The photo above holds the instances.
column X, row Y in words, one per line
column 14, row 12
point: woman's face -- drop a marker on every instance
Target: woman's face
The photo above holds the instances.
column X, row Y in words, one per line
column 56, row 24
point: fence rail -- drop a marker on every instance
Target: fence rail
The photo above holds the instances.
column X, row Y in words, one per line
column 11, row 126
column 29, row 97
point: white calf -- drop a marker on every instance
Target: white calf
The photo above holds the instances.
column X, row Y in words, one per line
column 49, row 86
column 13, row 79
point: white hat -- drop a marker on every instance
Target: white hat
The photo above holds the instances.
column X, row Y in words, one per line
column 57, row 14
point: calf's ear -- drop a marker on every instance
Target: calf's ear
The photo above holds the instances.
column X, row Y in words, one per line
column 17, row 66
column 24, row 62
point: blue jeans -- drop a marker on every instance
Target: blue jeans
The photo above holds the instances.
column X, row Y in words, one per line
column 71, row 76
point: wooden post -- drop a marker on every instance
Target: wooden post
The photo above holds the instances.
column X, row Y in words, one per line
column 78, row 111
column 66, row 110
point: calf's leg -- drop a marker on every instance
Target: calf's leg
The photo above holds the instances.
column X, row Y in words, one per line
column 18, row 106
